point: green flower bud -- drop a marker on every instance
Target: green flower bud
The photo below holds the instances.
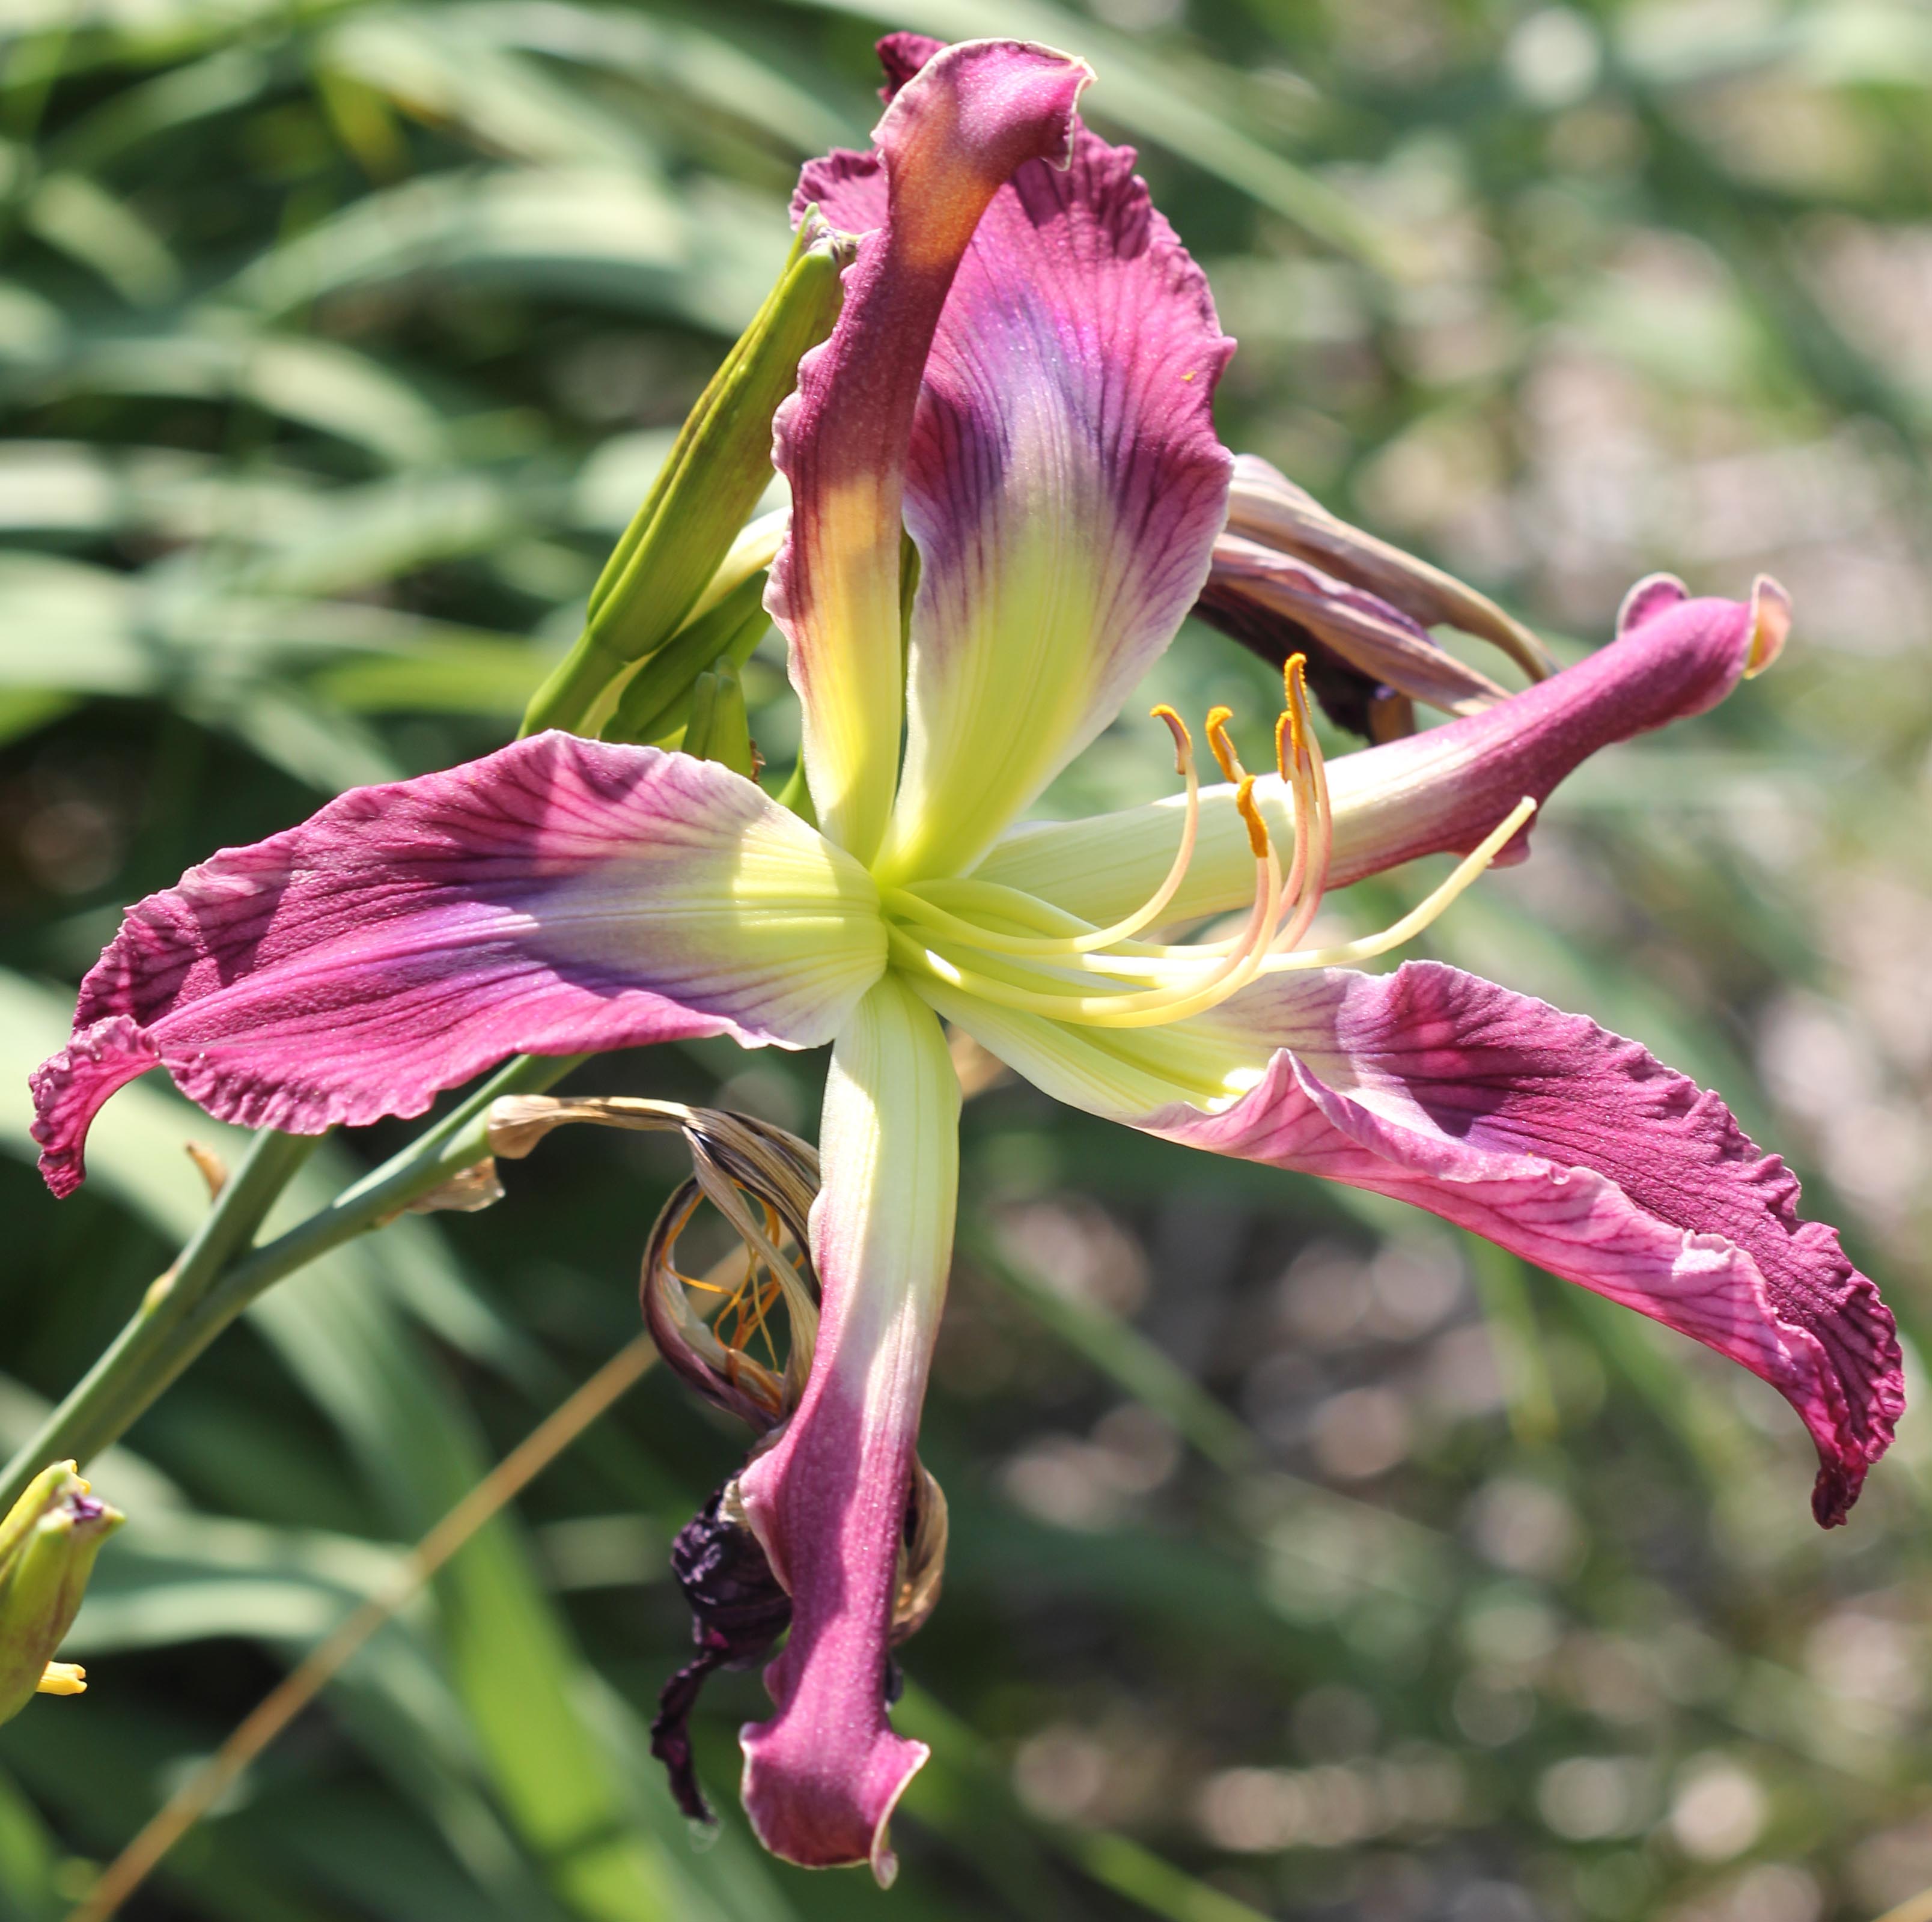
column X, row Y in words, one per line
column 718, row 729
column 658, row 576
column 48, row 1541
column 658, row 701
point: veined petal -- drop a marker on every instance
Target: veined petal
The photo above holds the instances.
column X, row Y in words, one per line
column 829, row 1500
column 1064, row 488
column 561, row 895
column 1440, row 791
column 1577, row 1150
column 946, row 143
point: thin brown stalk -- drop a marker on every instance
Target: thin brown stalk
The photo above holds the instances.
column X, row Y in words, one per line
column 303, row 1683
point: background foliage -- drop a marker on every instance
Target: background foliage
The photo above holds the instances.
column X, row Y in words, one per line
column 1308, row 1561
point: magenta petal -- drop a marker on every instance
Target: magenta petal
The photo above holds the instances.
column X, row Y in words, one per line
column 1277, row 605
column 1065, row 484
column 1583, row 1154
column 823, row 1776
column 560, row 896
column 1440, row 791
column 946, row 143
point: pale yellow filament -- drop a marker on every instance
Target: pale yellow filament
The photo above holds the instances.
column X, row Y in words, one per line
column 1147, row 1008
column 1047, row 946
column 1189, row 979
column 1467, row 871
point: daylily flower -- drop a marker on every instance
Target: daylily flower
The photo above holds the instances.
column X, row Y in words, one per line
column 1020, row 378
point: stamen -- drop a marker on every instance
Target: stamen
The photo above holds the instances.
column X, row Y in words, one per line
column 1043, row 973
column 1290, row 731
column 1314, row 825
column 1049, row 946
column 1147, row 1008
column 1258, row 844
column 1468, row 870
column 1218, row 739
column 1184, row 741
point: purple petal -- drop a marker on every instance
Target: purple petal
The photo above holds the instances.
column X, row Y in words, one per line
column 946, row 143
column 1443, row 790
column 560, row 896
column 1581, row 1152
column 1439, row 791
column 828, row 1500
column 1065, row 484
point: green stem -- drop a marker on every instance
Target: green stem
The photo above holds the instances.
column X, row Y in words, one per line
column 219, row 1274
column 108, row 1396
column 459, row 1140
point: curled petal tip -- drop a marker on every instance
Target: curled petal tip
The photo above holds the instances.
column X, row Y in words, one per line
column 1001, row 102
column 1654, row 594
column 1833, row 1494
column 68, row 1091
column 885, row 1863
column 1770, row 624
column 838, row 1822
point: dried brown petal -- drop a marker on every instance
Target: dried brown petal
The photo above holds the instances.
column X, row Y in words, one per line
column 922, row 1555
column 762, row 1179
column 475, row 1188
column 209, row 1166
column 1278, row 605
column 1266, row 507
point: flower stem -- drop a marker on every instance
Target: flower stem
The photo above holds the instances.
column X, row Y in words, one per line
column 459, row 1140
column 219, row 1272
column 110, row 1395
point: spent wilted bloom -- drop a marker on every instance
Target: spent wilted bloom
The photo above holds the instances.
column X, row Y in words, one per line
column 1020, row 380
column 1290, row 578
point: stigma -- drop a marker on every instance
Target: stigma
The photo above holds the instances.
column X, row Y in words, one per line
column 1018, row 951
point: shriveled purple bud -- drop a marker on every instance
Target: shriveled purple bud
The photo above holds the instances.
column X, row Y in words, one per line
column 738, row 1610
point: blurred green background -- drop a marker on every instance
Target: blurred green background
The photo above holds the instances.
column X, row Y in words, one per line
column 1309, row 1561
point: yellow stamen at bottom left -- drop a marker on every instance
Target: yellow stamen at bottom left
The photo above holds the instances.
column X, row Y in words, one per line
column 63, row 1678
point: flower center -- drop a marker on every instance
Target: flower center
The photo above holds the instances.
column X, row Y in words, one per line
column 1017, row 951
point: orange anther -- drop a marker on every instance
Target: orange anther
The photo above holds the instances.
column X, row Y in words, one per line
column 1290, row 728
column 1218, row 718
column 1184, row 741
column 1258, row 833
column 1294, row 687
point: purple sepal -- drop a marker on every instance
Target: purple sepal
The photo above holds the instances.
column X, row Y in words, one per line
column 558, row 897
